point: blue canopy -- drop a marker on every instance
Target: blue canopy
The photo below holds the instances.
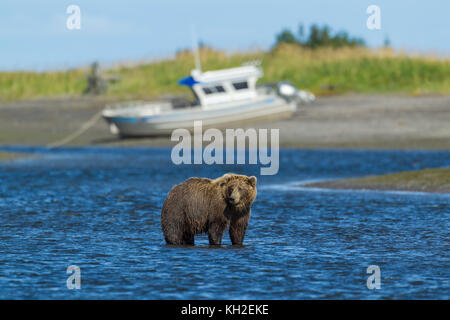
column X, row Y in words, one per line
column 187, row 81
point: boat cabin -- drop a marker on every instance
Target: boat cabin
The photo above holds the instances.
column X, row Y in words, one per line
column 212, row 88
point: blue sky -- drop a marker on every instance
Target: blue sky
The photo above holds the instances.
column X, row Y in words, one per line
column 34, row 36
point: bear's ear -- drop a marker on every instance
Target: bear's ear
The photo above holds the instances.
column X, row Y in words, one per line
column 223, row 179
column 252, row 180
column 226, row 177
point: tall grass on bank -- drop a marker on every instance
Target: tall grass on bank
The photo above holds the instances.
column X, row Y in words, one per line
column 28, row 85
column 323, row 71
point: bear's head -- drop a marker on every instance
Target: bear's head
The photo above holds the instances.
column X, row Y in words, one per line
column 239, row 191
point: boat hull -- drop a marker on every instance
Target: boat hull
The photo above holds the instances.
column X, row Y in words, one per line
column 218, row 117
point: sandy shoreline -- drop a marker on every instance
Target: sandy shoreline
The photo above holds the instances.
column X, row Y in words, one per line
column 348, row 121
column 426, row 180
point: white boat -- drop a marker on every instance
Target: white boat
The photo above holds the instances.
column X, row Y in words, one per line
column 222, row 98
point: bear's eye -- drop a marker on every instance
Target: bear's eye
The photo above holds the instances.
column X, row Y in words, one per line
column 222, row 184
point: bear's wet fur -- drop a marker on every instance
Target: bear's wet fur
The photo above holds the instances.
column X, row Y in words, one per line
column 201, row 205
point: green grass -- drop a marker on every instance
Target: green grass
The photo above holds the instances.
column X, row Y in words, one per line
column 426, row 180
column 323, row 71
column 27, row 85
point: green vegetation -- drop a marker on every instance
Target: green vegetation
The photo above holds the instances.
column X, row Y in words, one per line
column 426, row 180
column 318, row 37
column 325, row 70
column 25, row 85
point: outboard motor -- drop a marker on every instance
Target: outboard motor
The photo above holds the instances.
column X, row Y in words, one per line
column 289, row 92
column 286, row 90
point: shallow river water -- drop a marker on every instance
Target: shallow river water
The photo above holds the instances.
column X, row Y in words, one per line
column 99, row 209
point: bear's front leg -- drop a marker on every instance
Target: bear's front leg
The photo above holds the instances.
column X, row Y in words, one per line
column 188, row 238
column 238, row 227
column 215, row 233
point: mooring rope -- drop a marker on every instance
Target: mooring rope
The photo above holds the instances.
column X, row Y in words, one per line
column 77, row 133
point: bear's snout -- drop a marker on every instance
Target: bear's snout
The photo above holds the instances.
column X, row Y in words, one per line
column 233, row 197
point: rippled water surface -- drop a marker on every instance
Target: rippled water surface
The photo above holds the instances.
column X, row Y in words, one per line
column 99, row 209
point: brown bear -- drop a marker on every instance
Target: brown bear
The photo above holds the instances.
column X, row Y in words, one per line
column 201, row 205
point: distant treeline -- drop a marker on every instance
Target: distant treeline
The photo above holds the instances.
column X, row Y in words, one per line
column 321, row 61
column 318, row 37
